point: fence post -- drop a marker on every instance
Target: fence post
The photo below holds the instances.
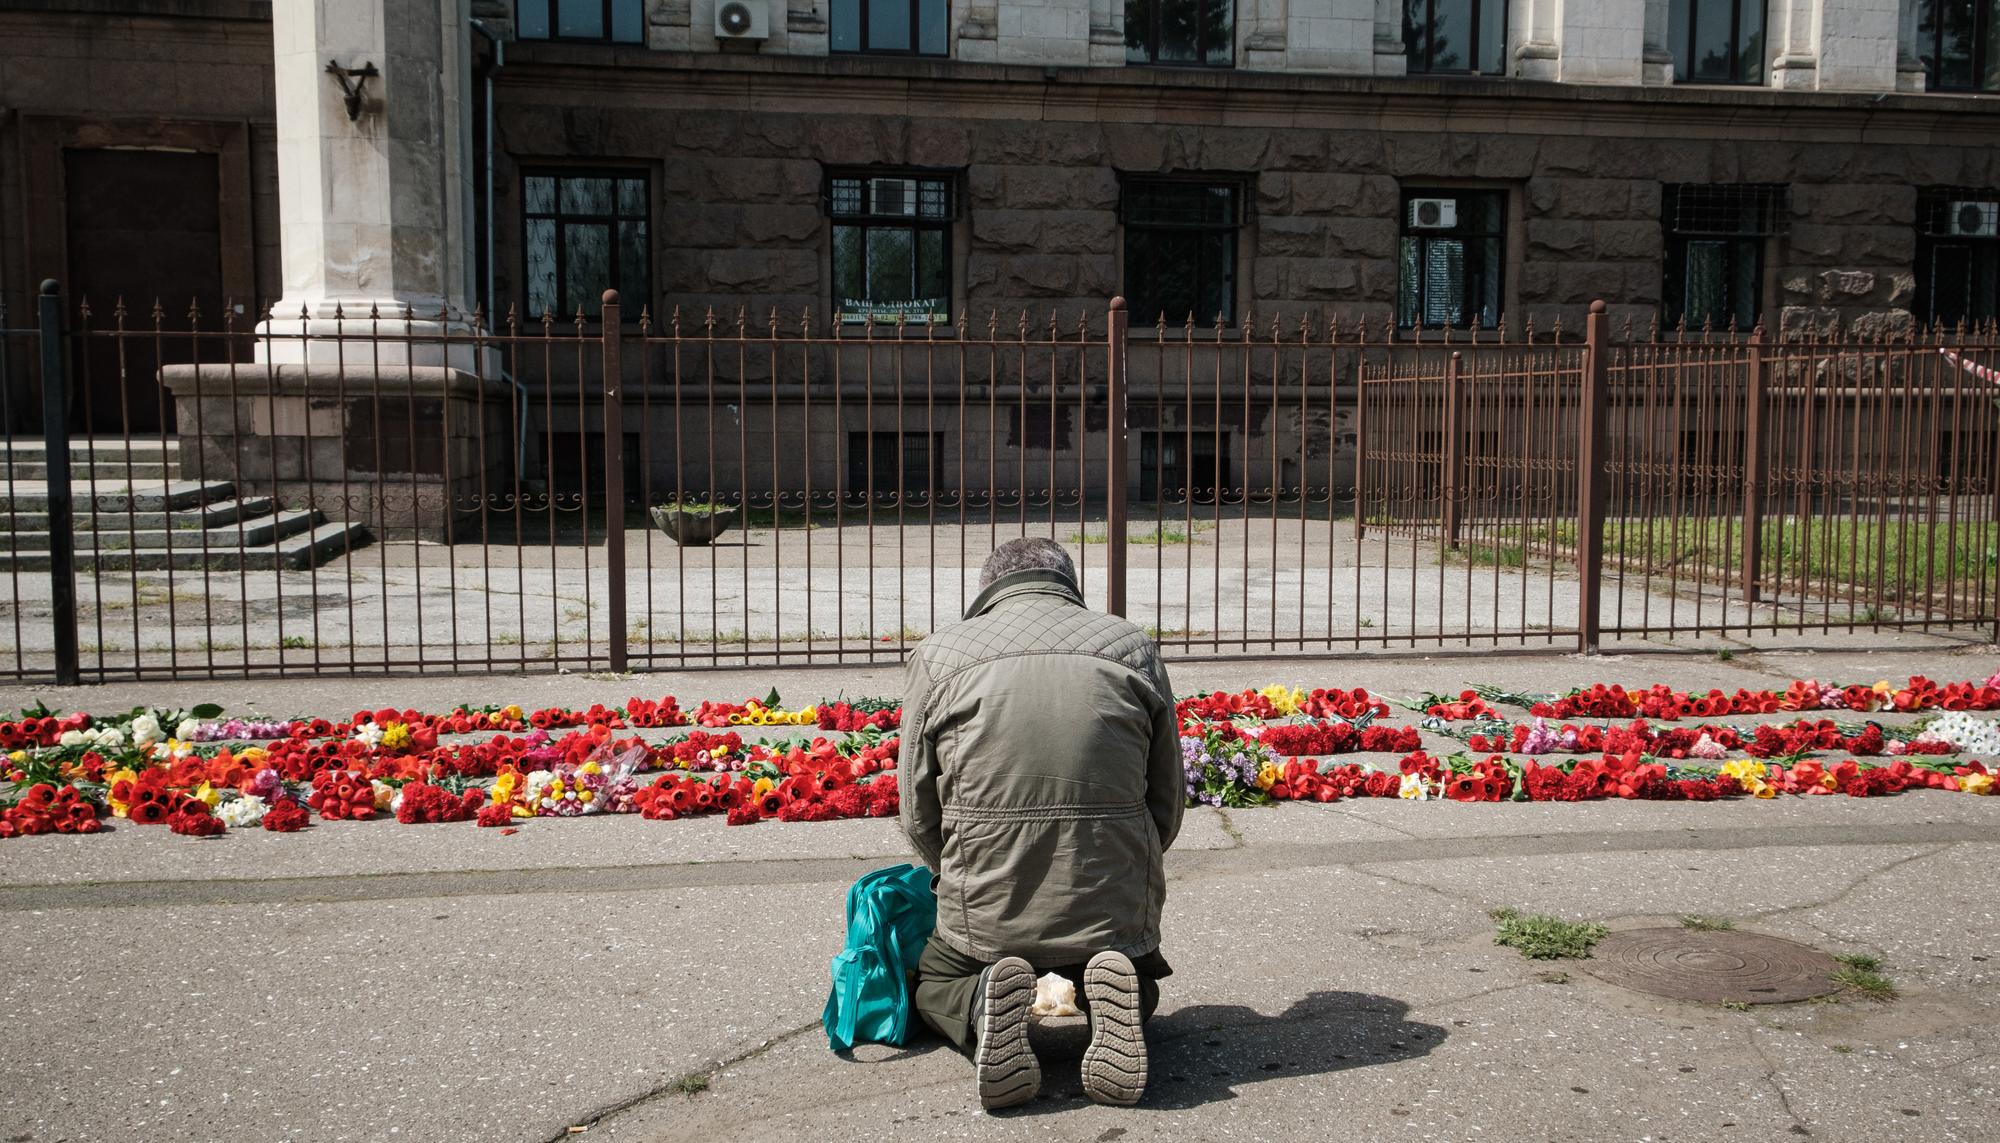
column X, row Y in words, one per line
column 1454, row 449
column 1115, row 461
column 61, row 513
column 1360, row 451
column 1590, row 479
column 1753, row 466
column 614, row 477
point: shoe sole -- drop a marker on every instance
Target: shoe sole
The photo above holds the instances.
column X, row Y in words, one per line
column 1114, row 1065
column 1009, row 1073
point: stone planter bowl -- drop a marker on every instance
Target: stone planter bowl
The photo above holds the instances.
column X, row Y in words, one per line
column 690, row 529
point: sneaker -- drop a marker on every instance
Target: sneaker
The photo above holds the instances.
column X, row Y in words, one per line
column 1009, row 1074
column 1114, row 1065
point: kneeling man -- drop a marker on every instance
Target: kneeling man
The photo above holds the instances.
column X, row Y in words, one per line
column 1041, row 780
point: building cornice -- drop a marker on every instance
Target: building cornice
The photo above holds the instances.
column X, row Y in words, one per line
column 589, row 76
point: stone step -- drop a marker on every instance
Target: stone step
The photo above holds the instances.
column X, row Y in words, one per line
column 250, row 533
column 88, row 450
column 87, row 470
column 296, row 552
column 104, row 496
column 213, row 515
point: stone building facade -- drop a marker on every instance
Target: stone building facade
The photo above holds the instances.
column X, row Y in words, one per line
column 1477, row 163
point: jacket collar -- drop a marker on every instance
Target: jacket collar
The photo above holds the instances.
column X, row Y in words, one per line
column 1020, row 583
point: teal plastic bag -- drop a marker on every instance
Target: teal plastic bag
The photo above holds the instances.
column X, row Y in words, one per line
column 890, row 915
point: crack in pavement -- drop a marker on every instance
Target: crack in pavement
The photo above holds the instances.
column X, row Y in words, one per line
column 1182, row 865
column 1855, row 886
column 666, row 1089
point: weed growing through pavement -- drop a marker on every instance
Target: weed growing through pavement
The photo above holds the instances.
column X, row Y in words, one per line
column 1553, row 977
column 1543, row 937
column 1701, row 924
column 691, row 1084
column 1737, row 1005
column 1861, row 975
column 1724, row 654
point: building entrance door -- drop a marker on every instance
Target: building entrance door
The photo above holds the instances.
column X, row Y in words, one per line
column 141, row 226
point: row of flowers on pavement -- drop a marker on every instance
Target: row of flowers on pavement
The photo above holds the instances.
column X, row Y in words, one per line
column 201, row 774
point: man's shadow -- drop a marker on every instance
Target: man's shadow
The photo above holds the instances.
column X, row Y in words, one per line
column 1205, row 1053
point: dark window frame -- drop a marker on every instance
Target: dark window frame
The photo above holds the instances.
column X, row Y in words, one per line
column 866, row 220
column 1982, row 255
column 1420, row 50
column 1146, row 51
column 555, row 36
column 1470, row 315
column 1741, row 218
column 916, row 27
column 630, row 307
column 1739, row 75
column 1145, row 311
column 1985, row 63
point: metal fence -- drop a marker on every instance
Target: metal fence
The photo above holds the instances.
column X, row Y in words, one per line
column 374, row 493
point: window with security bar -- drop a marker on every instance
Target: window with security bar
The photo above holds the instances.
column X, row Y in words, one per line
column 1180, row 249
column 1452, row 257
column 1185, row 33
column 1717, row 41
column 890, row 27
column 1959, row 44
column 1716, row 237
column 585, row 231
column 593, row 21
column 1456, row 36
column 891, row 245
column 1958, row 255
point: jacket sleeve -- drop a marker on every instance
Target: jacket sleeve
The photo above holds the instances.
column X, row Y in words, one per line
column 920, row 812
column 1166, row 779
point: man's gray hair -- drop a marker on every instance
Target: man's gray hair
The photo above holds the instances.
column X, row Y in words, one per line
column 1029, row 553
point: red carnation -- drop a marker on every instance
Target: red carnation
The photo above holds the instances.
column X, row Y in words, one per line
column 286, row 815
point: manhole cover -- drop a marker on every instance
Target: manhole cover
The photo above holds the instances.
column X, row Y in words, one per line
column 1688, row 964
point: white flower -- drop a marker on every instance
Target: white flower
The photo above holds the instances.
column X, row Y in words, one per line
column 71, row 738
column 368, row 734
column 242, row 812
column 111, row 738
column 187, row 730
column 1970, row 734
column 179, row 749
column 146, row 731
column 1414, row 788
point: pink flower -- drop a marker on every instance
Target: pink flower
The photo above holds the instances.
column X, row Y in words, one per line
column 1706, row 747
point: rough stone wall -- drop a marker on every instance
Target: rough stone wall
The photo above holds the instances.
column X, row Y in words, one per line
column 739, row 220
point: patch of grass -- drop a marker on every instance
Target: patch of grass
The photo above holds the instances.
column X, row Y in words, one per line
column 1553, row 977
column 1542, row 937
column 1164, row 536
column 690, row 1084
column 1486, row 555
column 1161, row 634
column 1860, row 975
column 506, row 639
column 1737, row 1005
column 1724, row 654
column 1367, row 621
column 1844, row 1049
column 1703, row 924
column 294, row 643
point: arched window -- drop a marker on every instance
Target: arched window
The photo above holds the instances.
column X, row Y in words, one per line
column 1717, row 41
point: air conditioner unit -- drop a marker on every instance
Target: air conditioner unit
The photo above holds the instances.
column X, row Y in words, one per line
column 1973, row 219
column 743, row 20
column 893, row 196
column 1433, row 213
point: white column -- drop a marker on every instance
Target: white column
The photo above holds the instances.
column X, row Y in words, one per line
column 1657, row 60
column 1600, row 41
column 1538, row 43
column 1264, row 37
column 375, row 211
column 1795, row 44
column 1857, row 48
column 1909, row 68
column 1391, row 54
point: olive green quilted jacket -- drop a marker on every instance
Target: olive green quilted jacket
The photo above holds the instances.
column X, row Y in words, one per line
column 1040, row 774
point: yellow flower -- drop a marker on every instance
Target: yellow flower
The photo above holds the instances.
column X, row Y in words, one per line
column 124, row 774
column 18, row 756
column 808, row 714
column 1884, row 689
column 763, row 786
column 1414, row 788
column 1745, row 770
column 739, row 720
column 1976, row 783
column 253, row 755
column 1284, row 700
column 209, row 794
column 513, row 710
column 590, row 768
column 585, row 796
column 503, row 787
column 396, row 736
column 1267, row 775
